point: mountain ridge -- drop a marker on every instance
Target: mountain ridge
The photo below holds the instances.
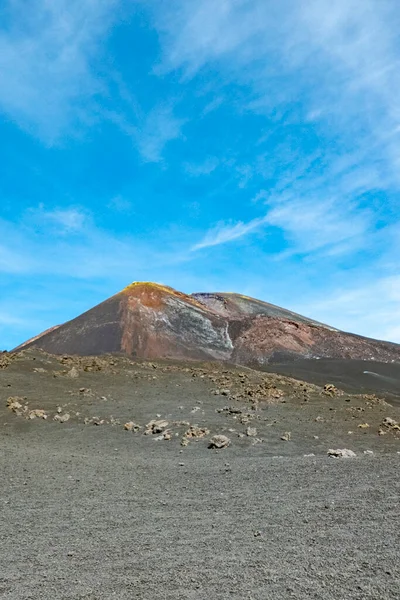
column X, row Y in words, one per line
column 151, row 320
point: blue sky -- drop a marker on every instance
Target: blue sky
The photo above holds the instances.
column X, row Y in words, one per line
column 231, row 145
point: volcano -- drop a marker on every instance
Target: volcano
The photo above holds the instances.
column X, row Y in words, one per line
column 152, row 321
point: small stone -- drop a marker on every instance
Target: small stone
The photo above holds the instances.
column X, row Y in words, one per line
column 196, row 432
column 330, row 389
column 131, row 426
column 390, row 424
column 287, row 436
column 251, row 431
column 363, row 426
column 155, row 426
column 37, row 412
column 14, row 403
column 62, row 418
column 219, row 441
column 341, row 453
column 308, row 455
column 368, row 452
column 73, row 373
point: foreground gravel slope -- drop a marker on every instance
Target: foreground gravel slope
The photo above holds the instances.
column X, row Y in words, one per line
column 93, row 511
column 99, row 517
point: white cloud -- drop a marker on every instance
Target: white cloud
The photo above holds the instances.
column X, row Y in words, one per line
column 203, row 168
column 330, row 66
column 370, row 309
column 314, row 224
column 120, row 204
column 69, row 220
column 152, row 131
column 159, row 127
column 45, row 61
column 223, row 233
column 82, row 251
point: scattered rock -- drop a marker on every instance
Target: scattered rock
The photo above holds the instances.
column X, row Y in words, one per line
column 219, row 441
column 131, row 426
column 251, row 431
column 62, row 418
column 196, row 432
column 14, row 403
column 231, row 410
column 73, row 373
column 330, row 389
column 94, row 421
column 389, row 425
column 363, row 426
column 308, row 455
column 257, row 441
column 37, row 412
column 287, row 436
column 342, row 453
column 368, row 452
column 184, row 441
column 4, row 360
column 155, row 426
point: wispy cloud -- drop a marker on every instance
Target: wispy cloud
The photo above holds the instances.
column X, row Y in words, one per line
column 311, row 225
column 58, row 221
column 45, row 61
column 223, row 233
column 69, row 220
column 150, row 131
column 82, row 251
column 203, row 168
column 373, row 309
column 120, row 204
column 340, row 62
column 158, row 128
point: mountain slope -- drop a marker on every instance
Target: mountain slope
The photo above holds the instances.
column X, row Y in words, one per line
column 148, row 320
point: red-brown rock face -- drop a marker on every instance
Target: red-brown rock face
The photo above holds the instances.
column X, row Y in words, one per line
column 147, row 320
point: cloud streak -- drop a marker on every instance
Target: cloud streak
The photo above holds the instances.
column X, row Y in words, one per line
column 224, row 233
column 374, row 308
column 45, row 61
column 340, row 62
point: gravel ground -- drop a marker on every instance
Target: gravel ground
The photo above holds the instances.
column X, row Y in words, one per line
column 99, row 513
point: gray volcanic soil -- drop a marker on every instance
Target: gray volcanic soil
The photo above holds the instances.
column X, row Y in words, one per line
column 98, row 512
